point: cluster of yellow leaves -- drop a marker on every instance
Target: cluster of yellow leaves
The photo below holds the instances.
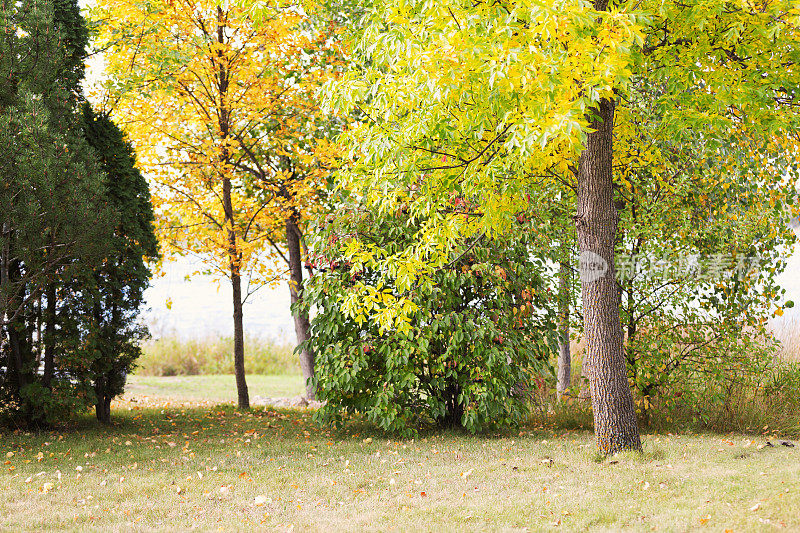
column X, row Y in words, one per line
column 211, row 99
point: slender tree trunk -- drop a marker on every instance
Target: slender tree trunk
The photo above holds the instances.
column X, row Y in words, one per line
column 14, row 328
column 302, row 324
column 564, row 356
column 234, row 254
column 39, row 332
column 596, row 222
column 16, row 357
column 236, row 285
column 238, row 340
column 5, row 299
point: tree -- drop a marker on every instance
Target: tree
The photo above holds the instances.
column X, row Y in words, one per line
column 704, row 228
column 488, row 98
column 53, row 225
column 476, row 338
column 222, row 112
column 114, row 294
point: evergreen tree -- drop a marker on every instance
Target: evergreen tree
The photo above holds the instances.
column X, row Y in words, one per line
column 116, row 291
column 52, row 228
column 76, row 224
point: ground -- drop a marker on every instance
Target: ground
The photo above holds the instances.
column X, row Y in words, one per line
column 173, row 462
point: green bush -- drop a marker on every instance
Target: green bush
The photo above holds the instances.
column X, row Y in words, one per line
column 173, row 356
column 480, row 336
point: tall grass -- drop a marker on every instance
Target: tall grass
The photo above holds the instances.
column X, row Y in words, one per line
column 173, row 356
column 788, row 332
column 767, row 402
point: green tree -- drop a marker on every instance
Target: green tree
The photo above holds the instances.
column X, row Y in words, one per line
column 114, row 292
column 704, row 230
column 53, row 223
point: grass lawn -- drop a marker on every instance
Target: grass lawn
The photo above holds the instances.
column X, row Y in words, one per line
column 173, row 465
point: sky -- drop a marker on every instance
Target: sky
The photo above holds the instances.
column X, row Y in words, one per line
column 202, row 308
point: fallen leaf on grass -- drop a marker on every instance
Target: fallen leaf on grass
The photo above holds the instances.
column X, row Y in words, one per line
column 466, row 474
column 705, row 519
column 756, row 507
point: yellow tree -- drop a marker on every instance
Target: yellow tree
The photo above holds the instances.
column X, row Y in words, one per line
column 222, row 112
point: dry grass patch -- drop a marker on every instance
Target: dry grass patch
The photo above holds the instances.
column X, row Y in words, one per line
column 789, row 335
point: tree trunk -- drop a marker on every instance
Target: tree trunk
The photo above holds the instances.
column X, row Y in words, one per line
column 103, row 410
column 301, row 321
column 236, row 285
column 15, row 329
column 596, row 222
column 234, row 255
column 564, row 356
column 102, row 406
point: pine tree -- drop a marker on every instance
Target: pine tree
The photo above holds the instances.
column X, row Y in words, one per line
column 75, row 221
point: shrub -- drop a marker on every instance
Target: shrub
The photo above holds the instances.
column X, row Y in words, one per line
column 768, row 402
column 479, row 334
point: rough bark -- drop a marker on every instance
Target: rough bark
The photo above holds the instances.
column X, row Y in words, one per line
column 564, row 356
column 302, row 323
column 596, row 222
column 103, row 410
